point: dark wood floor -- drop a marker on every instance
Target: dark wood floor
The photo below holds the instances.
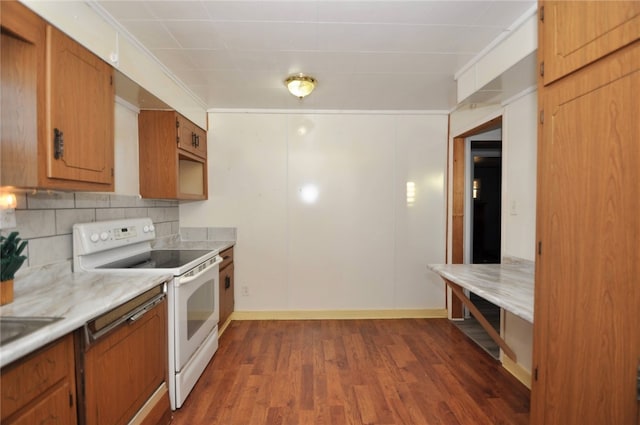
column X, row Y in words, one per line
column 334, row 372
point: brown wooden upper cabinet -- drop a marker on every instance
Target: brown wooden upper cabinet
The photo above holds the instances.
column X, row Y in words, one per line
column 567, row 46
column 173, row 157
column 57, row 108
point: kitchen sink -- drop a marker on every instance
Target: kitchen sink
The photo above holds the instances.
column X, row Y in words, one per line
column 12, row 328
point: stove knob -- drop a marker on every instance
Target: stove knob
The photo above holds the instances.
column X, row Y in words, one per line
column 145, row 229
column 151, row 228
column 104, row 236
column 94, row 237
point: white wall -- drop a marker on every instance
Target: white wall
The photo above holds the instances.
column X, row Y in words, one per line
column 126, row 167
column 359, row 246
column 519, row 149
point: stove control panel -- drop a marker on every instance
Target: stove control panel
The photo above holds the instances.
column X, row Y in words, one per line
column 89, row 238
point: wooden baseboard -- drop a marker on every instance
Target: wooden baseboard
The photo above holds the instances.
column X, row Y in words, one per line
column 156, row 411
column 224, row 326
column 518, row 371
column 338, row 314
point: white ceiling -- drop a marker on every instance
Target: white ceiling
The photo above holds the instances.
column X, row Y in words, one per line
column 366, row 55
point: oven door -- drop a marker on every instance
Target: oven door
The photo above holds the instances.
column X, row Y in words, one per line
column 197, row 310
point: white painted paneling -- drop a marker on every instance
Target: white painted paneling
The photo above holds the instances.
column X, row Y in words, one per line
column 419, row 225
column 518, row 334
column 521, row 42
column 127, row 181
column 81, row 23
column 358, row 246
column 247, row 158
column 519, row 149
column 503, row 54
column 340, row 245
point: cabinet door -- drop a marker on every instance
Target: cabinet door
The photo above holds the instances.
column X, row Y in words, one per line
column 41, row 387
column 201, row 142
column 567, row 44
column 191, row 138
column 229, row 290
column 227, row 297
column 586, row 331
column 53, row 409
column 22, row 58
column 80, row 104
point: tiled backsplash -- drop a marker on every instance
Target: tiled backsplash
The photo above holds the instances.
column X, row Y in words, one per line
column 208, row 233
column 46, row 219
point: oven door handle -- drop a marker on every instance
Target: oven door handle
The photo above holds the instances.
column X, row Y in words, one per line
column 180, row 281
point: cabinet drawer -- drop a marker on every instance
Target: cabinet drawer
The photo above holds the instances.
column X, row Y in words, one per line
column 29, row 378
column 227, row 257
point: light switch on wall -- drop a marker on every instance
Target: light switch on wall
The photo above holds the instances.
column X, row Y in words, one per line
column 7, row 218
column 513, row 210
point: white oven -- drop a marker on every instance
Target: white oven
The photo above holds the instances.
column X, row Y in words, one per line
column 192, row 295
column 195, row 314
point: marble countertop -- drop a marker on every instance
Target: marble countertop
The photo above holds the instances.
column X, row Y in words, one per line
column 55, row 291
column 508, row 285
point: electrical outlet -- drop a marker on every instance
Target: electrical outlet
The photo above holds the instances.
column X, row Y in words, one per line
column 245, row 291
column 7, row 218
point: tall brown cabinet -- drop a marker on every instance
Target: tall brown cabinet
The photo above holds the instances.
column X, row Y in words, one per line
column 587, row 286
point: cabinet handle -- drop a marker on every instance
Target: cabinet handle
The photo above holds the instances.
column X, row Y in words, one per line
column 193, row 139
column 197, row 141
column 58, row 144
column 227, row 282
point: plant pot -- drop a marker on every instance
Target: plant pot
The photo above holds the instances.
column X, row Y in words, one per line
column 6, row 291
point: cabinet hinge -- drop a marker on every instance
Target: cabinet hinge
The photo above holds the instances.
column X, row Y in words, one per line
column 638, row 384
column 539, row 247
column 111, row 80
column 177, row 123
column 70, row 400
column 542, row 116
column 541, row 13
column 542, row 69
column 535, row 374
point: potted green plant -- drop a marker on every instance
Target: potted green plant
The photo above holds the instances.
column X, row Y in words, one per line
column 11, row 260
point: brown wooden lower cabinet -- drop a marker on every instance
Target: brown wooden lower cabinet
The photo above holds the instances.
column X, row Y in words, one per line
column 227, row 297
column 41, row 388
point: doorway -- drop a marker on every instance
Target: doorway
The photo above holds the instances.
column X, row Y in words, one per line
column 485, row 201
column 476, row 238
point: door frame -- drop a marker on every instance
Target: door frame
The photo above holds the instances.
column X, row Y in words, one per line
column 458, row 200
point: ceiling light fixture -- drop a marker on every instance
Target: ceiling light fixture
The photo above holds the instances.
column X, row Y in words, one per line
column 300, row 85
